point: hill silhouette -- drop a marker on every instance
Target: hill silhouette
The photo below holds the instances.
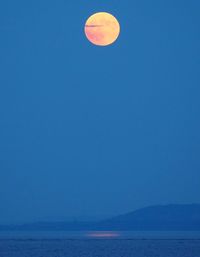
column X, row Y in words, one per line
column 156, row 218
column 162, row 217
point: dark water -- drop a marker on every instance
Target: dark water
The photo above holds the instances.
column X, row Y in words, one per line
column 100, row 244
column 100, row 248
column 100, row 235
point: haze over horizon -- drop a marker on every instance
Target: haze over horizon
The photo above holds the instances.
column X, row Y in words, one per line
column 91, row 131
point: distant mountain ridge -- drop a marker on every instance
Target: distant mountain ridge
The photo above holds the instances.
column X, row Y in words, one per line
column 156, row 218
column 160, row 217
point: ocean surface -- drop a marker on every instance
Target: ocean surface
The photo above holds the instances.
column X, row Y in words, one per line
column 100, row 244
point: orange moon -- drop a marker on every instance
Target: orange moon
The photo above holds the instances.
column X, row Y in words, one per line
column 102, row 29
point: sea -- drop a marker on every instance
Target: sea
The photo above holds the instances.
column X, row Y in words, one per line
column 100, row 244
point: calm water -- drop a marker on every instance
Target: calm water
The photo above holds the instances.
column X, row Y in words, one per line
column 100, row 248
column 101, row 235
column 100, row 244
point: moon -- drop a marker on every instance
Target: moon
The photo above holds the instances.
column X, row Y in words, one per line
column 102, row 29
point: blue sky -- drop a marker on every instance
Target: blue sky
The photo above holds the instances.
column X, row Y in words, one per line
column 86, row 130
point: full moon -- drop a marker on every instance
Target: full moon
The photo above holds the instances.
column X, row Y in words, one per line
column 102, row 29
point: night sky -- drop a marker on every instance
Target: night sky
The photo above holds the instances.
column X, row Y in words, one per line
column 91, row 131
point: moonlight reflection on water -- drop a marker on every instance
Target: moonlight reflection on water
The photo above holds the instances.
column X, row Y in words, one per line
column 103, row 234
